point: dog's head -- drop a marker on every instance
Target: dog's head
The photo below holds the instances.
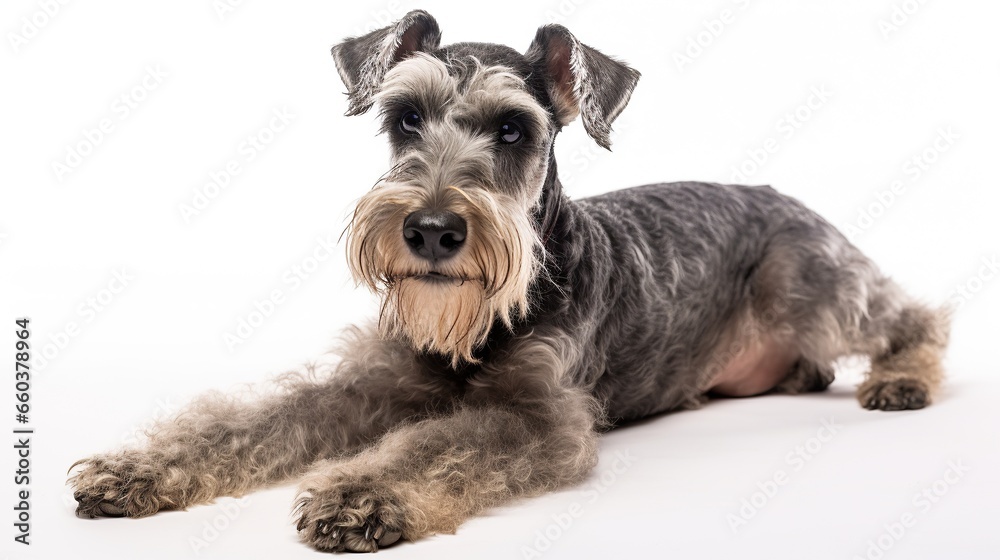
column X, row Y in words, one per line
column 451, row 237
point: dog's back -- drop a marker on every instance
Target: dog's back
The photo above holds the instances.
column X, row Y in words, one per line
column 693, row 283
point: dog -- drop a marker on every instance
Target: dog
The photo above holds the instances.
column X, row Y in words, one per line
column 516, row 324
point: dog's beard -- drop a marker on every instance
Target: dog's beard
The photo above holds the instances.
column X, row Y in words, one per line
column 451, row 317
column 447, row 308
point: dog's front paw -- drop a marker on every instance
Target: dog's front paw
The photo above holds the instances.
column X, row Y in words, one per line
column 895, row 394
column 117, row 485
column 354, row 516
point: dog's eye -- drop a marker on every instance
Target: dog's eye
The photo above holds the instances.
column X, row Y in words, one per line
column 410, row 122
column 510, row 132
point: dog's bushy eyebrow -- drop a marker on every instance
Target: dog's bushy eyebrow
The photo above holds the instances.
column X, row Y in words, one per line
column 421, row 81
column 496, row 115
column 477, row 93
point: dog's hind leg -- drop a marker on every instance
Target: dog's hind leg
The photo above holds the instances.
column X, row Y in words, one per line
column 806, row 377
column 517, row 432
column 833, row 301
column 224, row 445
column 905, row 340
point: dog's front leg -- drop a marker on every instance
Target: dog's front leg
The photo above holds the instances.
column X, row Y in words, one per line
column 227, row 445
column 517, row 434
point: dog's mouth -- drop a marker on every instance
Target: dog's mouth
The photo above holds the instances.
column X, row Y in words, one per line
column 437, row 277
column 434, row 277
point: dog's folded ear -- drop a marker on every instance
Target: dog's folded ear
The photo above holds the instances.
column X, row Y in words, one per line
column 580, row 79
column 363, row 61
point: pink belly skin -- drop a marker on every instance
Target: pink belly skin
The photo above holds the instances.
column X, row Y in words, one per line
column 756, row 370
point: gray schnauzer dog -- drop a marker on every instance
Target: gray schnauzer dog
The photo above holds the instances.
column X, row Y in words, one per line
column 516, row 323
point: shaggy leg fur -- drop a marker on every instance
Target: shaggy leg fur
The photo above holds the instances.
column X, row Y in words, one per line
column 837, row 303
column 520, row 435
column 906, row 370
column 225, row 446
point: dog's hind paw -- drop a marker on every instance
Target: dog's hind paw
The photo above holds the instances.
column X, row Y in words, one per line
column 894, row 394
column 806, row 377
column 352, row 517
column 116, row 485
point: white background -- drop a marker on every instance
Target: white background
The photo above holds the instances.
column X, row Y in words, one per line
column 160, row 339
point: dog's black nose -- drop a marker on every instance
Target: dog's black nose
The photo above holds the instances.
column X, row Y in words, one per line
column 434, row 235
